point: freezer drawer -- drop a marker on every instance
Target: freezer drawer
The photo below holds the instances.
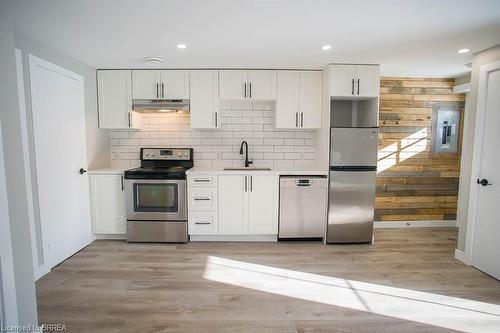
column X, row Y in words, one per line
column 303, row 205
column 353, row 146
column 351, row 207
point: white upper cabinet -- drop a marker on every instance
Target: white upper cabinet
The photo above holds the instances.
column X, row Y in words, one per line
column 367, row 80
column 114, row 94
column 342, row 80
column 287, row 99
column 233, row 84
column 160, row 84
column 261, row 84
column 146, row 84
column 298, row 99
column 310, row 99
column 204, row 90
column 263, row 205
column 174, row 84
column 354, row 81
column 247, row 84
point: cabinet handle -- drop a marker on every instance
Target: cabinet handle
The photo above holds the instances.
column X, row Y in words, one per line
column 251, row 183
column 129, row 122
column 162, row 90
column 296, row 119
column 123, row 184
column 352, row 87
column 358, row 86
column 245, row 90
column 250, row 89
column 157, row 91
column 202, row 180
column 202, row 199
column 246, row 184
column 202, row 223
column 302, row 119
column 216, row 122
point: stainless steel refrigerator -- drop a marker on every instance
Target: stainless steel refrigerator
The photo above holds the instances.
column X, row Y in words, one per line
column 353, row 165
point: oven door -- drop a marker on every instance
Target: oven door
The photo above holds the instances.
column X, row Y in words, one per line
column 156, row 199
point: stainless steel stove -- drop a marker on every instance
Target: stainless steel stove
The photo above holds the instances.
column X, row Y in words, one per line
column 156, row 196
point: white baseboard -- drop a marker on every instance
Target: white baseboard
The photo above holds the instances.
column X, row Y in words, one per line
column 414, row 224
column 111, row 236
column 233, row 238
column 460, row 256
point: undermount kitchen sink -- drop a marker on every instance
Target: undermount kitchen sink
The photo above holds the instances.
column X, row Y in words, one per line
column 247, row 169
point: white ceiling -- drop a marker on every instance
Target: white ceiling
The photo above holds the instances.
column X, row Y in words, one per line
column 407, row 37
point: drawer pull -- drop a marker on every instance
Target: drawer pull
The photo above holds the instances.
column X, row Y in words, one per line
column 202, row 223
column 202, row 180
column 202, row 199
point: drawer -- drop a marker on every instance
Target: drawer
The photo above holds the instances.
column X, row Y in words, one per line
column 202, row 180
column 202, row 223
column 201, row 198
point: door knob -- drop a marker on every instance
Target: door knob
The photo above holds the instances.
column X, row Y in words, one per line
column 82, row 171
column 483, row 182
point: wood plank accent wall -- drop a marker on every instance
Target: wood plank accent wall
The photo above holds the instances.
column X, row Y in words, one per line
column 412, row 185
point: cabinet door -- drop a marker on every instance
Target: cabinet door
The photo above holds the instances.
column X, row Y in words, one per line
column 204, row 88
column 342, row 80
column 261, row 84
column 233, row 209
column 146, row 84
column 114, row 98
column 108, row 204
column 232, row 84
column 174, row 84
column 263, row 205
column 367, row 80
column 310, row 99
column 287, row 99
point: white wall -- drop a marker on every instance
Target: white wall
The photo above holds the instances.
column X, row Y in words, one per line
column 15, row 184
column 8, row 302
column 240, row 120
column 481, row 58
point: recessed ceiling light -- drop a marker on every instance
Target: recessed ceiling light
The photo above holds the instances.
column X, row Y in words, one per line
column 153, row 60
column 181, row 46
column 462, row 51
column 326, row 47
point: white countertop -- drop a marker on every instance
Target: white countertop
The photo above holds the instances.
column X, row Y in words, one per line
column 107, row 171
column 277, row 171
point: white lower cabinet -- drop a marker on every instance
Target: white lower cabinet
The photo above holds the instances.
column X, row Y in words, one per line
column 263, row 205
column 233, row 198
column 202, row 204
column 248, row 204
column 202, row 223
column 108, row 204
column 233, row 206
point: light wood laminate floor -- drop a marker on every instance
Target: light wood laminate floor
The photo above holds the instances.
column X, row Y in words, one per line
column 113, row 286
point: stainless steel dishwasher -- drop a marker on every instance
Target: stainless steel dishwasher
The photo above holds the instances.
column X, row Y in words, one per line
column 303, row 204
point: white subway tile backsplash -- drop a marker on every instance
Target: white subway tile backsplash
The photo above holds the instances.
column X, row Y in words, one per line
column 239, row 120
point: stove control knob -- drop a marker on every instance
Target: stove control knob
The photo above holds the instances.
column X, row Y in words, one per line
column 179, row 154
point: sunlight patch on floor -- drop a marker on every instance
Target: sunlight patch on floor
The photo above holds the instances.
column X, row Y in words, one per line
column 428, row 308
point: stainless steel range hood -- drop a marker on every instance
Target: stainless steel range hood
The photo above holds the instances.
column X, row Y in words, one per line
column 160, row 105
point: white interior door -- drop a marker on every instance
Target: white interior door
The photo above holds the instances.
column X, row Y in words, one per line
column 486, row 234
column 60, row 151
